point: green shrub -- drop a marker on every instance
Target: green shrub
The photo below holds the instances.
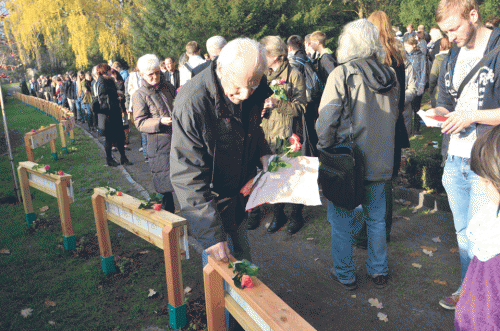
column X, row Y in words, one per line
column 423, row 170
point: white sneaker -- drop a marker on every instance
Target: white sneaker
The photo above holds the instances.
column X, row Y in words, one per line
column 140, row 149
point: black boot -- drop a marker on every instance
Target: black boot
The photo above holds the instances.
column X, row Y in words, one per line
column 168, row 202
column 279, row 218
column 111, row 162
column 254, row 217
column 125, row 161
column 296, row 219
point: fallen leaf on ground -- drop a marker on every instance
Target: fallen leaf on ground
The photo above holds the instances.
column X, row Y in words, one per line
column 375, row 303
column 151, row 293
column 49, row 303
column 430, row 249
column 187, row 290
column 316, row 259
column 26, row 312
column 406, row 218
column 382, row 317
column 428, row 252
column 436, row 240
column 144, row 252
column 52, row 323
column 453, row 250
column 45, row 208
column 4, row 251
column 310, row 238
column 353, row 296
column 415, row 254
column 416, row 265
column 267, row 225
column 406, row 203
column 440, row 282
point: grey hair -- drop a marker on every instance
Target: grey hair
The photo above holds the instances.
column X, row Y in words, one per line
column 215, row 43
column 237, row 52
column 435, row 34
column 275, row 46
column 359, row 40
column 148, row 62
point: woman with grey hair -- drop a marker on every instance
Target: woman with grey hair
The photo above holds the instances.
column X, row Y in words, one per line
column 282, row 116
column 360, row 103
column 152, row 106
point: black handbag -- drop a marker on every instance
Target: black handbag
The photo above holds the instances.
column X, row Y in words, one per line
column 341, row 175
column 341, row 172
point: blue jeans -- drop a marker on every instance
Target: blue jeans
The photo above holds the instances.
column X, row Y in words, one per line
column 144, row 141
column 79, row 109
column 466, row 198
column 86, row 109
column 346, row 224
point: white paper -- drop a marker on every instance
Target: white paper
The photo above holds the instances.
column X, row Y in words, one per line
column 297, row 184
column 429, row 122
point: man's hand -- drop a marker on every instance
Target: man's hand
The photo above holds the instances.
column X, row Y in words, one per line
column 219, row 251
column 166, row 120
column 457, row 121
column 265, row 161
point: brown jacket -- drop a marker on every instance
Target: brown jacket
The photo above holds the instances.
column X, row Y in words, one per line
column 280, row 122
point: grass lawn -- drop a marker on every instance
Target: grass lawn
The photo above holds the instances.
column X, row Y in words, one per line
column 67, row 290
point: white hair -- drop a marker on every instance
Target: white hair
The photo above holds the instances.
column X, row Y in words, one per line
column 435, row 34
column 148, row 62
column 241, row 51
column 359, row 40
column 215, row 43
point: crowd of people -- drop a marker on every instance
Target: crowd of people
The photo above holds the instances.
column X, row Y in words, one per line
column 208, row 125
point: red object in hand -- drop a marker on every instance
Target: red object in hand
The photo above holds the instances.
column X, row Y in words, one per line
column 295, row 141
column 60, row 173
column 439, row 118
column 119, row 193
column 247, row 189
column 246, row 281
column 157, row 207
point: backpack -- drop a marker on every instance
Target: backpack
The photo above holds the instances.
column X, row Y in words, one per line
column 314, row 86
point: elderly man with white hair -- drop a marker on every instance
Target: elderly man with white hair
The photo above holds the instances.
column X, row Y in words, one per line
column 214, row 46
column 217, row 145
column 152, row 107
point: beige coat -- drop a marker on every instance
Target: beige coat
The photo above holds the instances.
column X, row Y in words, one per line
column 280, row 122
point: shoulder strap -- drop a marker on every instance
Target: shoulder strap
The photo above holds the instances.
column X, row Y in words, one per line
column 483, row 61
column 188, row 67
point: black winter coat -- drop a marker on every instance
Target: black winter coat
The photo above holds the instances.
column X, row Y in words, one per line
column 210, row 144
column 107, row 97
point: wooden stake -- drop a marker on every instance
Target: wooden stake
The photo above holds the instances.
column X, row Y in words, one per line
column 214, row 299
column 63, row 203
column 172, row 255
column 101, row 223
column 29, row 151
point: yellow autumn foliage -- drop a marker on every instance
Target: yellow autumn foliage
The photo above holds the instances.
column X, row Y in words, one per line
column 83, row 21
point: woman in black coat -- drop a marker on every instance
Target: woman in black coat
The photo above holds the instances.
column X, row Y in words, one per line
column 109, row 105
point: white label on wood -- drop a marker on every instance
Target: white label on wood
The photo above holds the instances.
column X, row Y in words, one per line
column 70, row 190
column 183, row 242
column 112, row 209
column 127, row 216
column 246, row 307
column 141, row 222
column 155, row 230
column 42, row 181
column 44, row 137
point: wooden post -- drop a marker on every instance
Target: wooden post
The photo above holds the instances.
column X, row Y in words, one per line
column 72, row 136
column 29, row 150
column 176, row 308
column 64, row 148
column 101, row 222
column 63, row 203
column 214, row 297
column 53, row 150
column 26, row 194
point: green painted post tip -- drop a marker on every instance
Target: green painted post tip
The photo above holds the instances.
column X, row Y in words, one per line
column 72, row 141
column 54, row 156
column 69, row 243
column 108, row 265
column 30, row 218
column 64, row 150
column 177, row 316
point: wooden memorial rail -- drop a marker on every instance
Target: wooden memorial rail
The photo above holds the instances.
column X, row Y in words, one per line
column 161, row 228
column 60, row 187
column 40, row 137
column 62, row 115
column 255, row 308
